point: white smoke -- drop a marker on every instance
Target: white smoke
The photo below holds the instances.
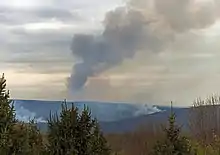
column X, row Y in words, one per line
column 146, row 109
column 108, row 112
column 25, row 115
column 104, row 112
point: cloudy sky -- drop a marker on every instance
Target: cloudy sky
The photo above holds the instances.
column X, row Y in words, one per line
column 36, row 55
column 35, row 39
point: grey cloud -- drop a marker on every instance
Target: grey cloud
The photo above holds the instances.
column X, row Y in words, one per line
column 41, row 59
column 48, row 38
column 38, row 52
column 198, row 76
column 124, row 34
column 16, row 16
column 42, row 51
column 56, row 13
column 131, row 29
column 184, row 15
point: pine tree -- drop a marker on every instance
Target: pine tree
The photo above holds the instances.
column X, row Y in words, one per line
column 62, row 132
column 27, row 139
column 84, row 127
column 7, row 118
column 99, row 143
column 174, row 143
column 72, row 133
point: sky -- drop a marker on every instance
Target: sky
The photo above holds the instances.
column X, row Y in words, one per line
column 169, row 59
column 35, row 37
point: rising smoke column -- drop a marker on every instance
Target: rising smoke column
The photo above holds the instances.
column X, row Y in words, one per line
column 134, row 28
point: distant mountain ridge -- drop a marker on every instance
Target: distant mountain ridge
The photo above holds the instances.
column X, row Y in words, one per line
column 113, row 117
column 115, row 111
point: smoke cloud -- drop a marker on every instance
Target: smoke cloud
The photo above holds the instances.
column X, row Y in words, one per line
column 25, row 115
column 147, row 26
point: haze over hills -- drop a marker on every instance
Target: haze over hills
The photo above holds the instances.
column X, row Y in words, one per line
column 103, row 111
column 113, row 117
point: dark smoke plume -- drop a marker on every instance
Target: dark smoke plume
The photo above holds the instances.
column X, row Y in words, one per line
column 135, row 28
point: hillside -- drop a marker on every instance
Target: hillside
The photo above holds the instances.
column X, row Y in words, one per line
column 119, row 118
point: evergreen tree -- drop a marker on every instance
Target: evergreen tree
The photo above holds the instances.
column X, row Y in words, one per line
column 7, row 118
column 16, row 138
column 99, row 143
column 27, row 139
column 85, row 127
column 174, row 143
column 72, row 133
column 62, row 132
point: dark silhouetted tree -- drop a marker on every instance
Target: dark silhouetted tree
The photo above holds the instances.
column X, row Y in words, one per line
column 74, row 133
column 27, row 139
column 174, row 143
column 16, row 138
column 99, row 143
column 7, row 118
